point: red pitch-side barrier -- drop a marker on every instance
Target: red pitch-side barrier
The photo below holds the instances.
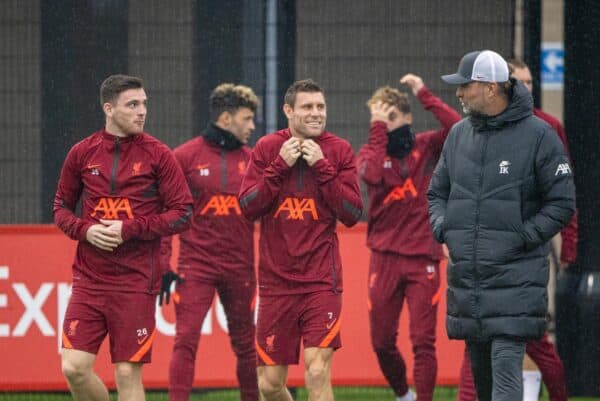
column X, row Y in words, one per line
column 35, row 275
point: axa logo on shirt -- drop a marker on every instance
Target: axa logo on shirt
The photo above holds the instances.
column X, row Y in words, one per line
column 222, row 205
column 563, row 169
column 296, row 208
column 112, row 208
column 399, row 192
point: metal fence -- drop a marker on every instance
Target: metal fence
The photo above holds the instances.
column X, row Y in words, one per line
column 54, row 55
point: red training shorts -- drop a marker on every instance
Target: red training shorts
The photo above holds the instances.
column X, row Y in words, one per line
column 128, row 318
column 284, row 320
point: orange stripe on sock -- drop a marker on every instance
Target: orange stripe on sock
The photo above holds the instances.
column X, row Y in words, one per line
column 331, row 335
column 144, row 348
column 436, row 297
column 176, row 297
column 263, row 355
column 65, row 341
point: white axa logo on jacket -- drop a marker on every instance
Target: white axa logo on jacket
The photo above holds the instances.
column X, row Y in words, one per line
column 563, row 169
column 504, row 165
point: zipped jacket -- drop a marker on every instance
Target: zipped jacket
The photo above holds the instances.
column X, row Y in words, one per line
column 569, row 233
column 220, row 237
column 397, row 188
column 298, row 208
column 134, row 179
column 502, row 189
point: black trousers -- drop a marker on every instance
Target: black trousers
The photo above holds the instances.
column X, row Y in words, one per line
column 497, row 368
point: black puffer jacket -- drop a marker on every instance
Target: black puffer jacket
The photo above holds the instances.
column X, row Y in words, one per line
column 502, row 188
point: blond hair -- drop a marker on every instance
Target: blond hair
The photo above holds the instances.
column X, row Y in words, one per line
column 229, row 97
column 392, row 96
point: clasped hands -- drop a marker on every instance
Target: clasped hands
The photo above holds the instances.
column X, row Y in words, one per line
column 106, row 235
column 293, row 148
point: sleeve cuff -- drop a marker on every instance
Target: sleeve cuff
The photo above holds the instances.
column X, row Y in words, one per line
column 323, row 169
column 423, row 93
column 128, row 230
column 280, row 165
column 83, row 231
column 378, row 134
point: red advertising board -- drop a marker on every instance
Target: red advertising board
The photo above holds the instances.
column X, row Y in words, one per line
column 35, row 275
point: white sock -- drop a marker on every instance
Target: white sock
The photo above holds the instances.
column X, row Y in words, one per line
column 532, row 382
column 409, row 396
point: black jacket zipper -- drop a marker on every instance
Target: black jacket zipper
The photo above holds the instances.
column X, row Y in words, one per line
column 115, row 166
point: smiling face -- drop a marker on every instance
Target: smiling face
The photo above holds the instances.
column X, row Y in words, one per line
column 308, row 115
column 127, row 114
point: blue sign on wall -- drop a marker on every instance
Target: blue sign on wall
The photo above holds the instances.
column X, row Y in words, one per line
column 552, row 65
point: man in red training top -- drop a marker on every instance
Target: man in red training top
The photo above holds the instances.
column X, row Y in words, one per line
column 299, row 182
column 132, row 192
column 217, row 253
column 397, row 166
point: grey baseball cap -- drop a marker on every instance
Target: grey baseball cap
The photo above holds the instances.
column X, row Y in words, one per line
column 482, row 66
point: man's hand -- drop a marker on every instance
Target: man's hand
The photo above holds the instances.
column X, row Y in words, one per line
column 380, row 111
column 165, row 286
column 115, row 226
column 103, row 237
column 415, row 82
column 290, row 151
column 311, row 151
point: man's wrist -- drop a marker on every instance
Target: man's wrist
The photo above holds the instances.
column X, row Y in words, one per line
column 128, row 229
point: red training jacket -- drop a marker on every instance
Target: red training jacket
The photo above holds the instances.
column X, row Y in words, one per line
column 220, row 237
column 298, row 207
column 569, row 234
column 134, row 179
column 397, row 188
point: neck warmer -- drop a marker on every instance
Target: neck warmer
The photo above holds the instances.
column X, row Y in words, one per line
column 400, row 141
column 221, row 137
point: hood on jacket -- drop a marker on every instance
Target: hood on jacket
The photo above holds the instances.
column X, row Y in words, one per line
column 519, row 107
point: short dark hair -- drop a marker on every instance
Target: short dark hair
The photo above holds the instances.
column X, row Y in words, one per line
column 304, row 85
column 115, row 84
column 229, row 97
column 515, row 63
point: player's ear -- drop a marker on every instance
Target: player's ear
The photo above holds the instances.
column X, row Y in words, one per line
column 224, row 120
column 288, row 110
column 107, row 108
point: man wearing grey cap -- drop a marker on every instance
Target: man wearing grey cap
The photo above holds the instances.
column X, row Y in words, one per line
column 502, row 188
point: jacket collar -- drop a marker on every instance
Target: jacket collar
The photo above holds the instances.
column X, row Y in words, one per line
column 221, row 138
column 519, row 107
